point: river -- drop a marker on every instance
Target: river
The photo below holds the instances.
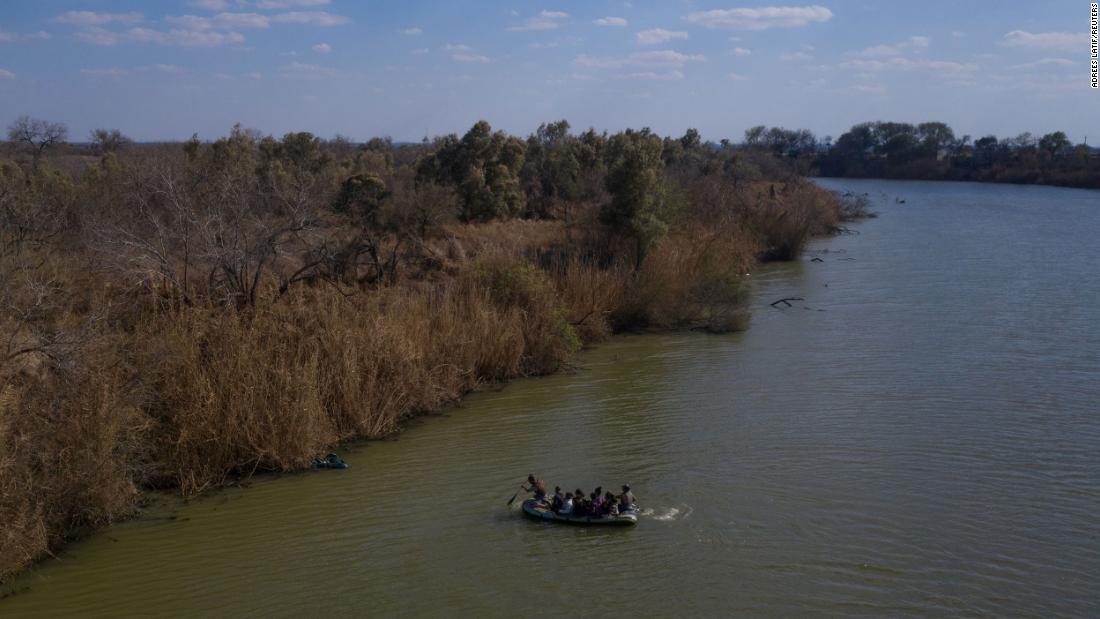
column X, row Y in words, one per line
column 918, row 437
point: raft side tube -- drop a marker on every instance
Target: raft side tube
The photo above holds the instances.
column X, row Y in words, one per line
column 534, row 510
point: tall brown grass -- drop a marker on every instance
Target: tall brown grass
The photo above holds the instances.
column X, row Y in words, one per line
column 190, row 396
column 785, row 219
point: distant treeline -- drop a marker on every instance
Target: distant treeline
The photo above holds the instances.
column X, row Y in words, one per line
column 932, row 151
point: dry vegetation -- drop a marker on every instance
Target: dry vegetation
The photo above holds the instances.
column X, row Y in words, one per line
column 180, row 316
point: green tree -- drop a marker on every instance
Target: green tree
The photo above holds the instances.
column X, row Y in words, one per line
column 754, row 136
column 934, row 136
column 552, row 169
column 691, row 140
column 108, row 140
column 484, row 167
column 637, row 209
column 986, row 149
column 1055, row 144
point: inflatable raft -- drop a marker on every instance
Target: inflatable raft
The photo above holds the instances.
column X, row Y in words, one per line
column 331, row 461
column 540, row 511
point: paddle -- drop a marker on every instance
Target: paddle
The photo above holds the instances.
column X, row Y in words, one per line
column 513, row 499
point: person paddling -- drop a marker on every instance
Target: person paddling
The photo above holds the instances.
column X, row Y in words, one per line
column 537, row 486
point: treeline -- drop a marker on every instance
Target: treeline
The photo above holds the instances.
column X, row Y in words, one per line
column 180, row 316
column 930, row 151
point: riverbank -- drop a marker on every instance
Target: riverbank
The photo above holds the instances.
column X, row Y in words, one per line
column 239, row 322
column 888, row 451
column 1088, row 180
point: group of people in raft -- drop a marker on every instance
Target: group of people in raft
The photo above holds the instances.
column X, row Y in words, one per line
column 576, row 505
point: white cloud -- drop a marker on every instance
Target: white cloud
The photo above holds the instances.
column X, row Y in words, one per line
column 1059, row 62
column 112, row 72
column 230, row 21
column 91, row 18
column 304, row 70
column 470, row 58
column 907, row 64
column 873, row 89
column 13, row 37
column 254, row 75
column 98, row 36
column 285, row 4
column 322, row 48
column 761, row 18
column 652, row 75
column 741, row 51
column 456, row 47
column 210, row 5
column 598, row 62
column 737, row 77
column 910, row 44
column 169, row 68
column 546, row 20
column 663, row 58
column 183, row 38
column 313, row 18
column 420, row 51
column 221, row 21
column 6, row 75
column 657, row 36
column 1069, row 41
column 610, row 21
column 795, row 57
column 411, row 31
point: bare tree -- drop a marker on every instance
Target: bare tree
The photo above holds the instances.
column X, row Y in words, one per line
column 33, row 295
column 108, row 140
column 220, row 225
column 37, row 135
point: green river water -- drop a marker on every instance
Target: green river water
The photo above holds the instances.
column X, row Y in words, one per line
column 919, row 437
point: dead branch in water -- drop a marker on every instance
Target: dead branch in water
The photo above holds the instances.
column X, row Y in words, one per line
column 786, row 302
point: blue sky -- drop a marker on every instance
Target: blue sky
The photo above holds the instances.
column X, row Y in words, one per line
column 167, row 69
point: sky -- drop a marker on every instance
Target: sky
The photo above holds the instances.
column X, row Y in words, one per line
column 167, row 69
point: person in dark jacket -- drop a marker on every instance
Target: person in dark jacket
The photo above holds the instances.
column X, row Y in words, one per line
column 558, row 499
column 580, row 506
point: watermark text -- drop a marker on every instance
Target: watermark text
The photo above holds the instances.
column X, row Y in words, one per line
column 1094, row 62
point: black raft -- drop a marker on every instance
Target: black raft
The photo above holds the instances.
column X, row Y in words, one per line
column 541, row 511
column 331, row 461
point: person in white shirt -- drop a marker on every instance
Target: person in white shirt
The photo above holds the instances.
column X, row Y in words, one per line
column 566, row 506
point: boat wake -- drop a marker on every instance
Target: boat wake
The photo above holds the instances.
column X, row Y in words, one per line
column 681, row 512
